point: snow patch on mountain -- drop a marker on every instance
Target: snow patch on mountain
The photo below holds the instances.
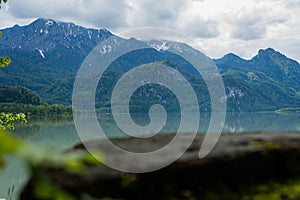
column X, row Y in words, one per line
column 106, row 49
column 90, row 34
column 41, row 53
column 234, row 92
column 160, row 45
column 49, row 23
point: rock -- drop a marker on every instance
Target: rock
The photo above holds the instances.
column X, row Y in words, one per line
column 238, row 162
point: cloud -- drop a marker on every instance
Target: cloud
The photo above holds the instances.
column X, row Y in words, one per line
column 104, row 13
column 155, row 13
column 251, row 23
column 201, row 28
column 173, row 14
column 293, row 3
column 248, row 28
column 220, row 26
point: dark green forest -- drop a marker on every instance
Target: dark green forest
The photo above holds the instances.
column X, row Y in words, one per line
column 15, row 99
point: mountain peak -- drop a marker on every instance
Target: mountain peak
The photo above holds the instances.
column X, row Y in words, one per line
column 231, row 56
column 230, row 60
column 270, row 49
column 270, row 53
column 267, row 51
column 46, row 35
column 43, row 21
column 50, row 22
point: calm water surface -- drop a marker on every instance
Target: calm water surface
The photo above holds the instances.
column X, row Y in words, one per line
column 63, row 135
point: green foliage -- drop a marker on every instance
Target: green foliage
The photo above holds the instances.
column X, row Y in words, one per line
column 261, row 90
column 7, row 120
column 4, row 1
column 15, row 99
column 268, row 146
column 73, row 161
column 8, row 144
column 258, row 92
column 19, row 95
column 4, row 61
column 34, row 155
column 44, row 190
column 44, row 111
column 275, row 191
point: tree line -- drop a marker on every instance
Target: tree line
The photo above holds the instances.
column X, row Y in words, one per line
column 43, row 110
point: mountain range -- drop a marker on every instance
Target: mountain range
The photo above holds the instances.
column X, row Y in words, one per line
column 47, row 54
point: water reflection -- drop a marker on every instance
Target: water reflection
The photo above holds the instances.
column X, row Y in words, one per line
column 62, row 133
column 268, row 121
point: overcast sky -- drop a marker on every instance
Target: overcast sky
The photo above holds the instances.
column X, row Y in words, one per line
column 220, row 26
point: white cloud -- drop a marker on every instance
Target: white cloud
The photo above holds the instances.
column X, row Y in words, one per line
column 220, row 26
column 252, row 22
column 104, row 13
column 149, row 13
column 200, row 28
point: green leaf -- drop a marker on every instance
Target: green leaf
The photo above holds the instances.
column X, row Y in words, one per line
column 71, row 161
column 7, row 120
column 4, row 61
column 8, row 145
column 44, row 190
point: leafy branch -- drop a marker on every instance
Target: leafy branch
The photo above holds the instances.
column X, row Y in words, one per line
column 4, row 1
column 7, row 120
column 35, row 156
column 4, row 61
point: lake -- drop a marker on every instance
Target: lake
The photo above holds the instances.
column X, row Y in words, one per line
column 62, row 134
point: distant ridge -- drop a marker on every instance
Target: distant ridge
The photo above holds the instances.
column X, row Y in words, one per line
column 46, row 55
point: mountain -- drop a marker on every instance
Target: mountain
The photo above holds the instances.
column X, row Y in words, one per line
column 230, row 61
column 268, row 81
column 270, row 62
column 46, row 55
column 47, row 35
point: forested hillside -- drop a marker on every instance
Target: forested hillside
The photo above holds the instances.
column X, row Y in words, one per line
column 47, row 54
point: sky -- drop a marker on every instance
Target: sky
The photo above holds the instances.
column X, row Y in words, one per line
column 219, row 26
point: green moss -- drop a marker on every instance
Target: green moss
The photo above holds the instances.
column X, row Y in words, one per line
column 128, row 179
column 266, row 145
column 275, row 191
